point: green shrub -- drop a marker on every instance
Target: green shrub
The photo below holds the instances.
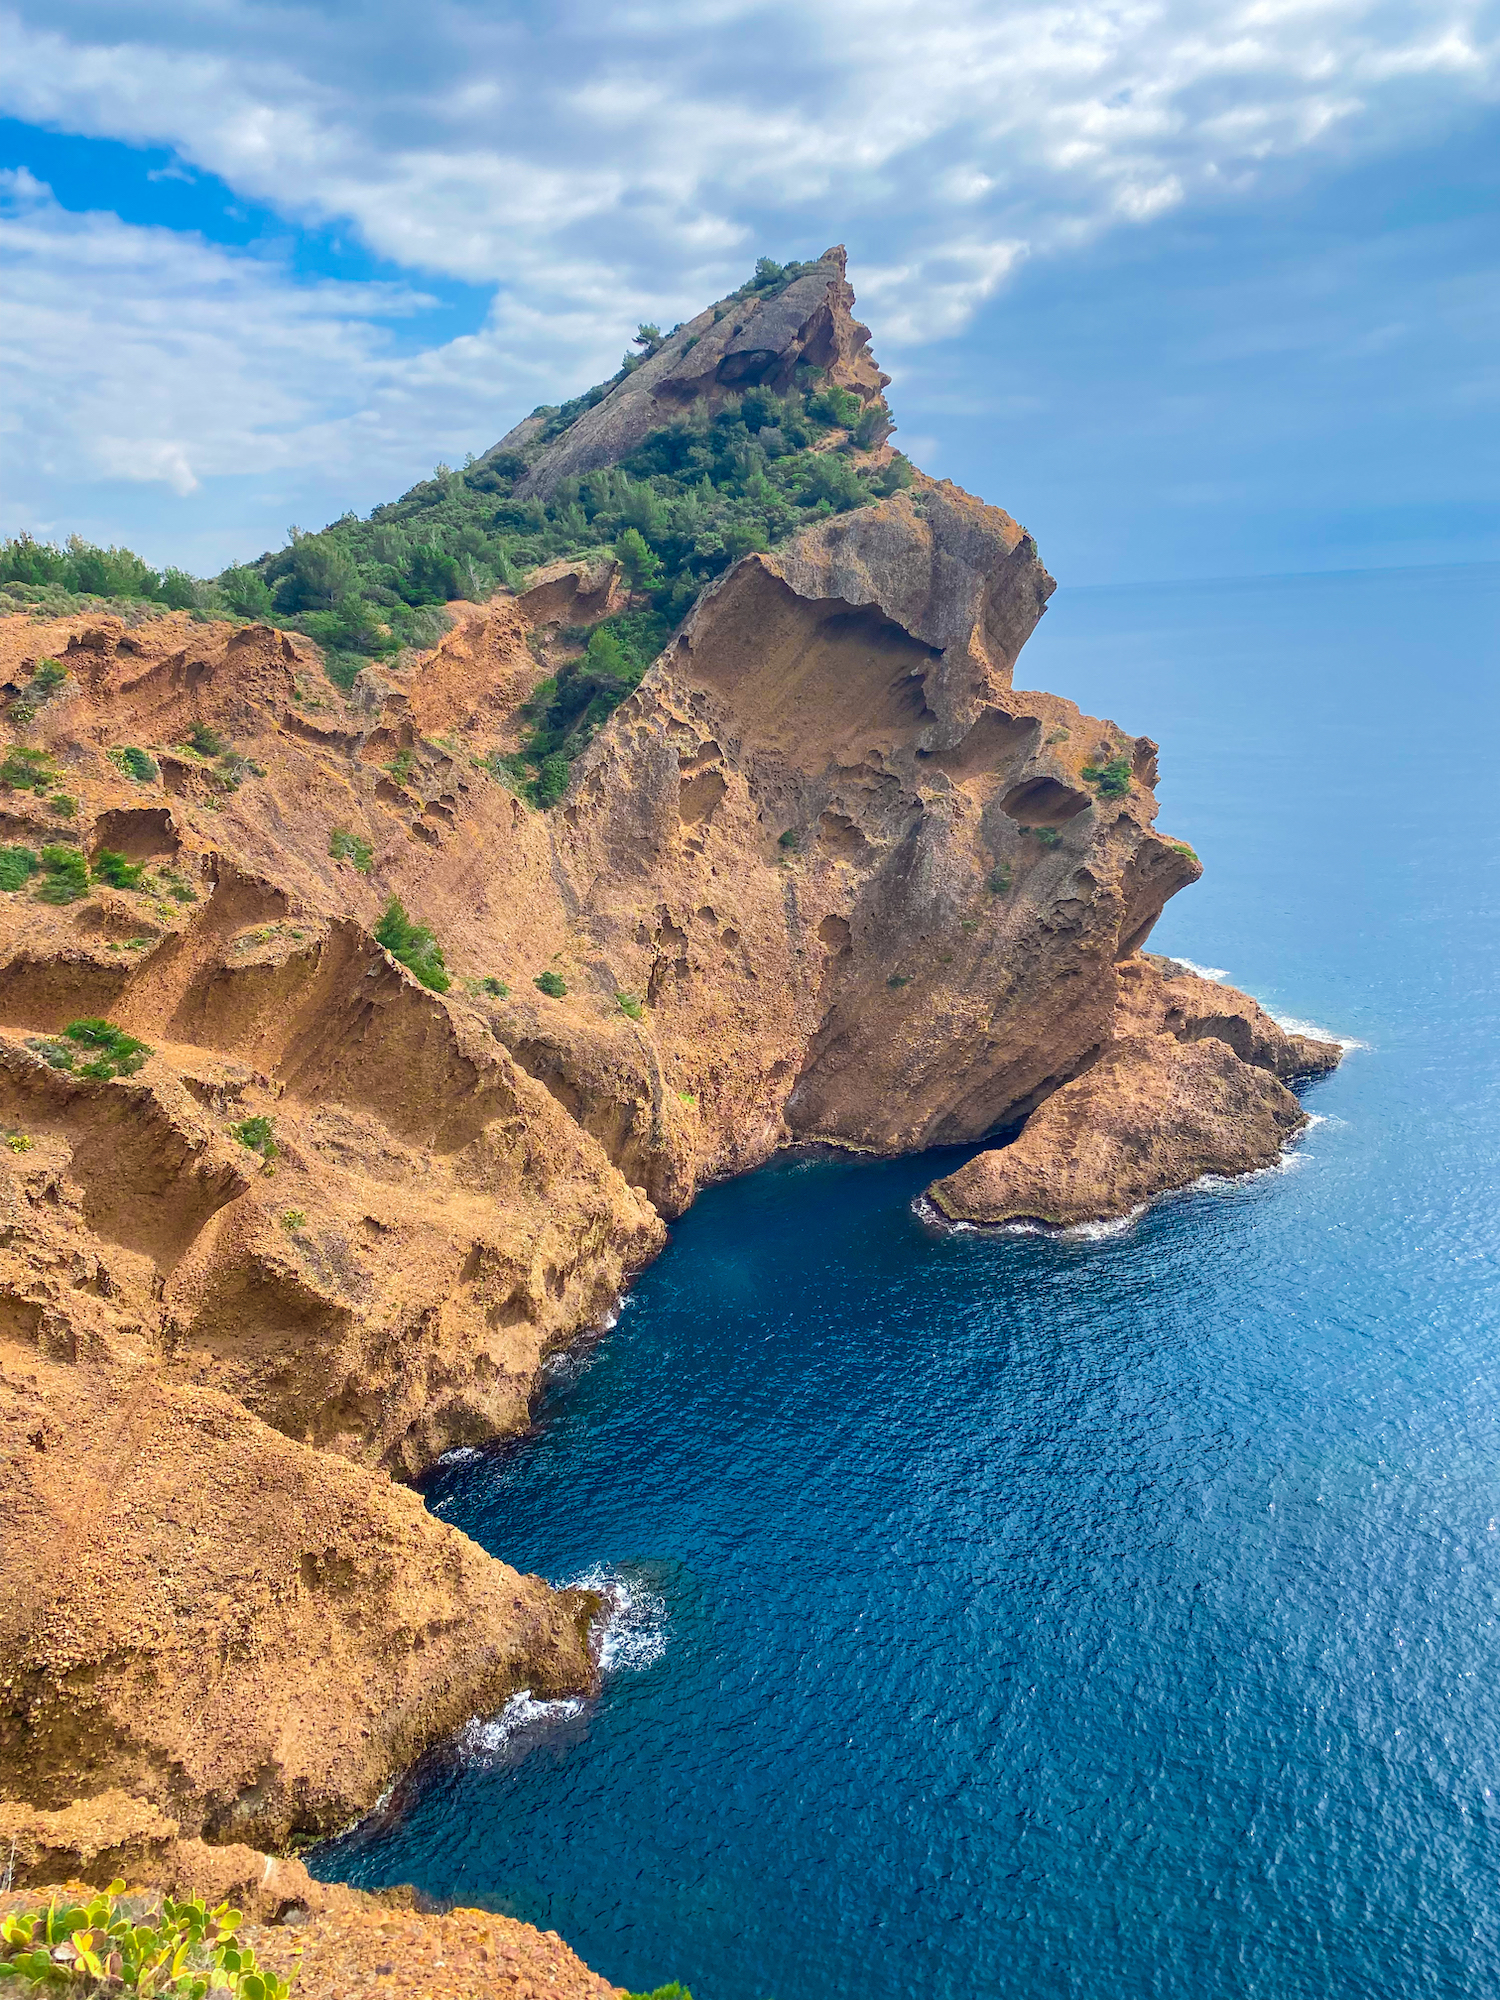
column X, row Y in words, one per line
column 256, row 1133
column 17, row 866
column 642, row 566
column 64, row 805
column 85, row 570
column 114, row 869
column 1182, row 847
column 26, row 770
column 675, row 1991
column 294, row 1219
column 134, row 1944
column 346, row 846
column 838, row 407
column 115, row 1052
column 48, row 678
column 56, row 1054
column 496, row 988
column 628, row 1004
column 1000, row 879
column 552, row 984
column 414, row 945
column 67, row 875
column 897, row 980
column 135, row 764
column 245, row 592
column 788, row 840
column 400, row 766
column 1111, row 780
column 207, row 742
column 1047, row 835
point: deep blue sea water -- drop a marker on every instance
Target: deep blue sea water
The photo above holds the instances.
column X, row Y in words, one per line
column 1100, row 1617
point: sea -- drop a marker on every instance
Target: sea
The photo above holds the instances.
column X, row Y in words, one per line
column 1105, row 1615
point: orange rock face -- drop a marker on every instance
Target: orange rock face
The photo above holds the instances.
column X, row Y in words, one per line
column 1188, row 1085
column 826, row 875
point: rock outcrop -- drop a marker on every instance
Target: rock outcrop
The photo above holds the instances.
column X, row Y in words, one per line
column 738, row 344
column 327, row 1939
column 825, row 875
column 1188, row 1085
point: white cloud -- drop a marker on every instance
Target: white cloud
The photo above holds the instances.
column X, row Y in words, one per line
column 623, row 162
column 642, row 142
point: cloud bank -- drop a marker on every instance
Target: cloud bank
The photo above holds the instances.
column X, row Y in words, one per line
column 597, row 166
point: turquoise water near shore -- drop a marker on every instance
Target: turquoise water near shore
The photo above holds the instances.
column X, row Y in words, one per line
column 1115, row 1615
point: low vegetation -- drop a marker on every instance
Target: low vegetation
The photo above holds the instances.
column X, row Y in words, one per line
column 258, row 1134
column 17, row 866
column 1111, row 780
column 135, row 763
column 346, row 846
column 567, row 709
column 113, row 868
column 207, row 742
column 67, row 875
column 552, row 984
column 23, row 770
column 93, row 1048
column 137, row 1944
column 628, row 1004
column 414, row 945
column 1000, row 880
column 1047, row 835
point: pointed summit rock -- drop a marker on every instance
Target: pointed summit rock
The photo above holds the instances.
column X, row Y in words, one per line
column 796, row 327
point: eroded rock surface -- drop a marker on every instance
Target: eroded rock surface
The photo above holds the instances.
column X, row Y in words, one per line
column 1188, row 1085
column 825, row 875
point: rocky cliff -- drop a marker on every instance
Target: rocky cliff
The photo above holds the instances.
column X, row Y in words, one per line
column 824, row 876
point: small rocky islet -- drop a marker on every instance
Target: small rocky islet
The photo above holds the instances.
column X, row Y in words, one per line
column 370, row 1006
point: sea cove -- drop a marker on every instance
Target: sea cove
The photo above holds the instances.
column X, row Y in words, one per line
column 1106, row 1615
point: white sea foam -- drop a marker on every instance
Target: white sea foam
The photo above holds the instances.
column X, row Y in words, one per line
column 1294, row 1026
column 566, row 1364
column 459, row 1455
column 631, row 1630
column 1216, row 973
column 523, row 1720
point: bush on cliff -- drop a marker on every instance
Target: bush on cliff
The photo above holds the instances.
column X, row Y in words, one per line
column 17, row 866
column 139, row 1944
column 259, row 1135
column 414, row 945
column 111, row 1051
column 113, row 868
column 67, row 875
column 1111, row 780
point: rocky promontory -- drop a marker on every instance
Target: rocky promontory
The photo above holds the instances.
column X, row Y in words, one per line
column 297, row 1199
column 1191, row 1082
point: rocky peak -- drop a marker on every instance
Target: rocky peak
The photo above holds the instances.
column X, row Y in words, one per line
column 787, row 333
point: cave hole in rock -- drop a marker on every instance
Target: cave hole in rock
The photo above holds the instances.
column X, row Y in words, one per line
column 1044, row 802
column 140, row 833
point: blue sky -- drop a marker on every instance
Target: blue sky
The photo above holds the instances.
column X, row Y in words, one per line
column 1193, row 289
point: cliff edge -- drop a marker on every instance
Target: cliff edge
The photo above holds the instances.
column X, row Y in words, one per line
column 292, row 1208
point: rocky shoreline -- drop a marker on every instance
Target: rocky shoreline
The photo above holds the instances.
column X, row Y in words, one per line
column 825, row 877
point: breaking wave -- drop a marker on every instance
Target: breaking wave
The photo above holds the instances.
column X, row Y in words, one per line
column 522, row 1724
column 1295, row 1026
column 631, row 1631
